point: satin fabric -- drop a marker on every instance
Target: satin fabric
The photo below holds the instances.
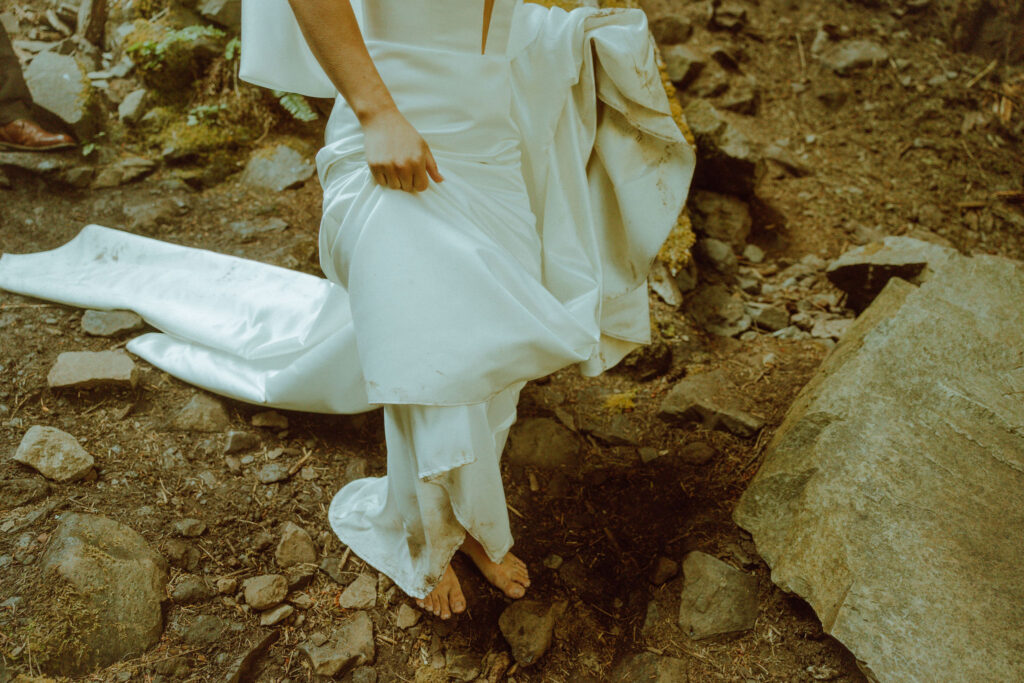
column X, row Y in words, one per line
column 564, row 174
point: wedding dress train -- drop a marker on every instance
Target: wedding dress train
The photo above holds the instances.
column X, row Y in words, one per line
column 564, row 172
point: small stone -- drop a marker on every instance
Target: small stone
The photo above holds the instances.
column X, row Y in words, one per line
column 849, row 55
column 768, row 317
column 190, row 528
column 753, row 253
column 528, row 626
column 696, row 453
column 462, row 666
column 350, row 646
column 671, row 29
column 833, row 328
column 131, row 108
column 718, row 255
column 227, row 13
column 227, row 585
column 277, row 168
column 276, row 615
column 664, row 285
column 59, row 84
column 553, row 561
column 271, row 419
column 406, row 617
column 249, row 230
column 543, row 442
column 708, row 398
column 721, row 216
column 110, row 323
column 295, row 547
column 241, row 441
column 300, row 575
column 647, row 454
column 273, row 472
column 244, row 668
column 729, row 15
column 190, row 589
column 266, row 591
column 333, row 568
column 360, row 594
column 663, row 570
column 716, row 597
column 717, row 311
column 683, row 64
column 301, row 600
column 202, row 413
column 55, row 454
column 181, row 554
column 207, row 629
column 364, row 674
column 87, row 369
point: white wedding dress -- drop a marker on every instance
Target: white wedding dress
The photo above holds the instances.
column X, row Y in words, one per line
column 564, row 173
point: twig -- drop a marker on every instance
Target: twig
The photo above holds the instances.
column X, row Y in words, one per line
column 297, row 466
column 803, row 59
column 981, row 74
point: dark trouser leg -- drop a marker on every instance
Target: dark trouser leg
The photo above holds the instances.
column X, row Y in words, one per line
column 15, row 98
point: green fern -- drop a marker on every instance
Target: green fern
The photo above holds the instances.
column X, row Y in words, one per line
column 296, row 105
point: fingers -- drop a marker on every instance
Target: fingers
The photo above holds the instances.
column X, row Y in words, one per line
column 432, row 168
column 405, row 175
column 420, row 180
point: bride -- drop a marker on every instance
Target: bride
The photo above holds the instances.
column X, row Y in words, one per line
column 498, row 178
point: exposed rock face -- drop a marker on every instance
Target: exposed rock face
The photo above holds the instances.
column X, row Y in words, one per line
column 105, row 595
column 892, row 495
column 54, row 453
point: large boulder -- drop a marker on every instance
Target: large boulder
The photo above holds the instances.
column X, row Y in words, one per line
column 102, row 598
column 892, row 496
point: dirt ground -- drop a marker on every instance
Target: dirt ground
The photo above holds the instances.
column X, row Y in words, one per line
column 903, row 151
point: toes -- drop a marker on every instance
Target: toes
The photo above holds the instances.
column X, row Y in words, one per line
column 515, row 590
column 457, row 600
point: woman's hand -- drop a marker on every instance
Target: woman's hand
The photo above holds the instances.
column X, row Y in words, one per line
column 398, row 156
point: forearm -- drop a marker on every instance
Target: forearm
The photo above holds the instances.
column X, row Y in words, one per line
column 333, row 35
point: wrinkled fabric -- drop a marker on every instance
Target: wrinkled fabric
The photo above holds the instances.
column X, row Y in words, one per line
column 564, row 172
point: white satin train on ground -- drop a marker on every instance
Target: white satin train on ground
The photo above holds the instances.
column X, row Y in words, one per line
column 564, row 172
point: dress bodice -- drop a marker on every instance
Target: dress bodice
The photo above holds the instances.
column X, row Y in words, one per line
column 451, row 25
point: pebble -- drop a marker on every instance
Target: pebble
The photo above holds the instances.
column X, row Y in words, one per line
column 270, row 419
column 332, row 567
column 718, row 255
column 227, row 585
column 55, row 454
column 110, row 323
column 350, row 646
column 205, row 630
column 770, row 318
column 360, row 594
column 88, row 369
column 265, row 591
column 295, row 547
column 406, row 617
column 272, row 472
column 190, row 589
column 276, row 615
column 753, row 253
column 190, row 528
column 241, row 441
column 301, row 600
column 716, row 597
column 527, row 626
column 544, row 443
column 696, row 453
column 664, row 569
column 202, row 413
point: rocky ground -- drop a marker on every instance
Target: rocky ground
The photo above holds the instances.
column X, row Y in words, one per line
column 195, row 530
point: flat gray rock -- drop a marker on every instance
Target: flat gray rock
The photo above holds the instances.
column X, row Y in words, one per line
column 717, row 598
column 543, row 442
column 277, row 168
column 708, row 398
column 892, row 496
column 109, row 577
column 295, row 547
column 360, row 594
column 59, row 84
column 54, row 453
column 350, row 646
column 266, row 591
column 88, row 369
column 110, row 323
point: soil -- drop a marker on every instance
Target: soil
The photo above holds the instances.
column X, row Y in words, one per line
column 912, row 156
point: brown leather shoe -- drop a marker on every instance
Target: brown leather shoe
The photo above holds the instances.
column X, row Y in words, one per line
column 29, row 136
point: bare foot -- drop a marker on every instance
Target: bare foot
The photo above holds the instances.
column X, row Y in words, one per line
column 446, row 598
column 510, row 576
